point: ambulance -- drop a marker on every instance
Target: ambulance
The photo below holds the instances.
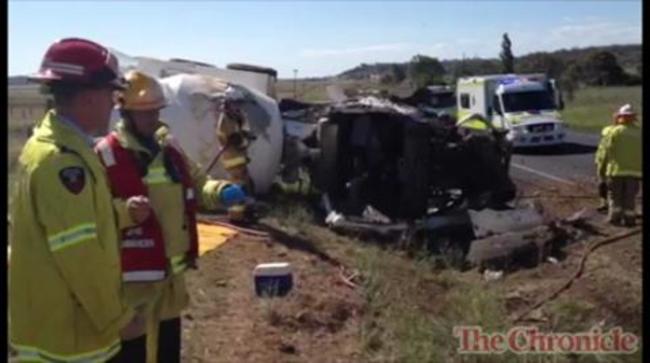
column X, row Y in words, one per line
column 526, row 105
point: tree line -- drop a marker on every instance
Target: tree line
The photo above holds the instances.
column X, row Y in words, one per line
column 574, row 68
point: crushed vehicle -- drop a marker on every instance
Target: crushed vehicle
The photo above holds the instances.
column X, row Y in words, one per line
column 390, row 169
column 432, row 100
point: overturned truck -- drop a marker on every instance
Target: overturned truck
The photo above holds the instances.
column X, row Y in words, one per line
column 403, row 164
column 388, row 168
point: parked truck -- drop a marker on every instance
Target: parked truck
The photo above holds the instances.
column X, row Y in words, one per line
column 526, row 105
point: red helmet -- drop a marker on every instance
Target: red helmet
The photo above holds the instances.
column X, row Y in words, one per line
column 80, row 61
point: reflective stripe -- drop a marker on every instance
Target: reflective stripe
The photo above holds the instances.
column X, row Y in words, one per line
column 148, row 275
column 156, row 176
column 72, row 236
column 34, row 354
column 138, row 243
column 180, row 268
column 68, row 68
column 178, row 264
column 106, row 153
column 234, row 162
column 237, row 208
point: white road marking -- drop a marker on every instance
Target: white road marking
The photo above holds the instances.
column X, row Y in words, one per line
column 541, row 173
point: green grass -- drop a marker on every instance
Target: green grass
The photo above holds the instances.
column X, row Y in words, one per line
column 592, row 107
column 412, row 310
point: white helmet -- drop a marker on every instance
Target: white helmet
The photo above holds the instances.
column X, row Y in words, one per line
column 625, row 110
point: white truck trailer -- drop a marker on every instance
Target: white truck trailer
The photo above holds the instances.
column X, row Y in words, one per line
column 527, row 105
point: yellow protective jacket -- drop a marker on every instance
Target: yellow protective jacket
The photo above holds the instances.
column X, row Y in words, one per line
column 167, row 202
column 619, row 153
column 475, row 123
column 600, row 151
column 65, row 299
column 234, row 158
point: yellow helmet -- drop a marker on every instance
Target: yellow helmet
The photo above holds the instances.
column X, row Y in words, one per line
column 143, row 93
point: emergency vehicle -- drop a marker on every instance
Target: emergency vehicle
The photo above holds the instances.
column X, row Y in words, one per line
column 527, row 105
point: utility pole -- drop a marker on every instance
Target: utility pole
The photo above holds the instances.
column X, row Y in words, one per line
column 295, row 84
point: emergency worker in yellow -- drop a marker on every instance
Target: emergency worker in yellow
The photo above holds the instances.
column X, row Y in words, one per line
column 602, row 182
column 235, row 137
column 142, row 157
column 65, row 299
column 476, row 124
column 618, row 161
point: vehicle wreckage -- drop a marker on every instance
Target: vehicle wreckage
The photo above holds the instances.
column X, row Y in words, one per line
column 382, row 166
column 389, row 168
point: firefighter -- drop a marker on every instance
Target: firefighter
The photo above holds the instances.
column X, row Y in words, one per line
column 142, row 157
column 474, row 122
column 235, row 138
column 618, row 161
column 65, row 298
column 477, row 124
column 602, row 182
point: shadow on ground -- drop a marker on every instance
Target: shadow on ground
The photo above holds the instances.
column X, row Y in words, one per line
column 568, row 148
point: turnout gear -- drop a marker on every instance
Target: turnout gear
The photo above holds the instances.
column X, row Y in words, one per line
column 144, row 93
column 475, row 121
column 618, row 161
column 619, row 154
column 602, row 180
column 622, row 192
column 79, row 61
column 168, row 177
column 143, row 249
column 235, row 138
column 65, row 300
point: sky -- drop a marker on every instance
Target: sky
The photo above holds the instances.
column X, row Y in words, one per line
column 318, row 38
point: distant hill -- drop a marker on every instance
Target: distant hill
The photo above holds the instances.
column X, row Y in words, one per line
column 17, row 80
column 628, row 56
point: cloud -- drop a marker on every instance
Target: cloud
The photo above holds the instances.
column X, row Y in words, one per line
column 585, row 33
column 596, row 31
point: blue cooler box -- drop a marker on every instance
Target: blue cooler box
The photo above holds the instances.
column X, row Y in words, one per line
column 273, row 279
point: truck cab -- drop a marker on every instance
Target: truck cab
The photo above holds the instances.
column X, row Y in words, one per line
column 525, row 105
column 440, row 99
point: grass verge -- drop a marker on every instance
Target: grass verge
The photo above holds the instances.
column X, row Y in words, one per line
column 592, row 107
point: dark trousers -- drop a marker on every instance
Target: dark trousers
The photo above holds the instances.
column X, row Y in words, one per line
column 134, row 351
column 169, row 345
column 169, row 341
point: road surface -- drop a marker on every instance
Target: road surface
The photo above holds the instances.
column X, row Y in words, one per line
column 569, row 163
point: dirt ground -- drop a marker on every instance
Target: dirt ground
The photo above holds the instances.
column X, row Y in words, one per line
column 324, row 320
column 317, row 322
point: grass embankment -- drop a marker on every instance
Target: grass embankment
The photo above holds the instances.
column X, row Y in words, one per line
column 592, row 107
column 412, row 306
